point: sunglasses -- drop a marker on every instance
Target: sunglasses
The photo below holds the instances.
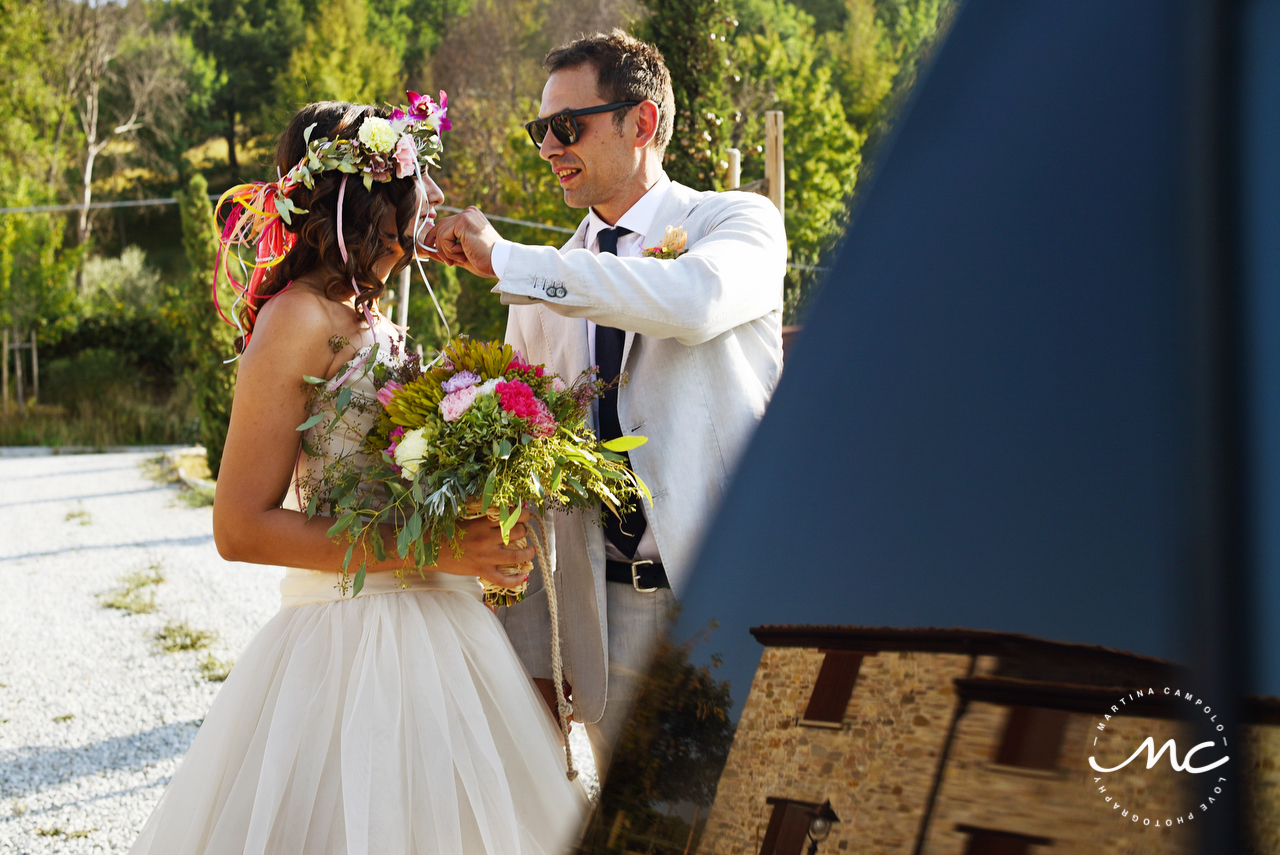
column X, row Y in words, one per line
column 565, row 123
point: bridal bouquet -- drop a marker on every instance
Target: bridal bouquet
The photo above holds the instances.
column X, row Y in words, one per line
column 481, row 432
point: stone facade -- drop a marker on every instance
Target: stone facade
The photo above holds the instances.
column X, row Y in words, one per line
column 912, row 765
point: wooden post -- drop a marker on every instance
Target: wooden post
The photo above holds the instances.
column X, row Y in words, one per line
column 773, row 160
column 403, row 319
column 734, row 178
column 17, row 372
column 4, row 369
column 696, row 810
column 35, row 370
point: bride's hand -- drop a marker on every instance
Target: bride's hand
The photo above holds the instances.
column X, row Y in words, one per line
column 483, row 552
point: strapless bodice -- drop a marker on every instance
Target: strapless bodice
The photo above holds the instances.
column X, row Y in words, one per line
column 337, row 439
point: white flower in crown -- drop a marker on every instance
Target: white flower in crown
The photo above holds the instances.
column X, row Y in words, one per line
column 377, row 135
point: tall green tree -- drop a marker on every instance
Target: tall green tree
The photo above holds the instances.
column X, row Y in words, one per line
column 691, row 35
column 341, row 57
column 36, row 290
column 250, row 43
column 779, row 65
column 206, row 342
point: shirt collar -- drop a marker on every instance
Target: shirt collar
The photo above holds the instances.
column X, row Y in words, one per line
column 638, row 218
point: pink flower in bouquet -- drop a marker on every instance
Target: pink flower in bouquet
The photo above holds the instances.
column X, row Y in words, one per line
column 457, row 403
column 461, row 380
column 517, row 398
column 557, row 385
column 387, row 392
column 517, row 363
column 395, row 437
column 405, row 156
column 543, row 424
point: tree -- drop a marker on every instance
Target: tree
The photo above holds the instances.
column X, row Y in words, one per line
column 340, row 58
column 206, row 342
column 672, row 751
column 691, row 36
column 778, row 66
column 121, row 76
column 250, row 43
column 35, row 266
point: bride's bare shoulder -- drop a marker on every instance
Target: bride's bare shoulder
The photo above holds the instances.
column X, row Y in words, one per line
column 296, row 318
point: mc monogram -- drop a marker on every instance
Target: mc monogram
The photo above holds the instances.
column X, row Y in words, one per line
column 1153, row 756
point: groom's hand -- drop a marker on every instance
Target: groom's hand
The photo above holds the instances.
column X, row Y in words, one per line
column 465, row 240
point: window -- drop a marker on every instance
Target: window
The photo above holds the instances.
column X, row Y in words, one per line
column 788, row 826
column 834, row 687
column 1032, row 738
column 985, row 841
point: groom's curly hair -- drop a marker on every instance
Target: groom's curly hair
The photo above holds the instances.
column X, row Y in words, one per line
column 317, row 230
column 627, row 69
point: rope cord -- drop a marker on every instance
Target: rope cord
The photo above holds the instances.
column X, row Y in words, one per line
column 564, row 708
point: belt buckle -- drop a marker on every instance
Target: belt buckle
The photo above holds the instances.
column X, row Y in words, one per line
column 635, row 579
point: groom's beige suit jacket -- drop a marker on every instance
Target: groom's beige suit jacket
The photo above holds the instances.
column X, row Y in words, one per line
column 703, row 353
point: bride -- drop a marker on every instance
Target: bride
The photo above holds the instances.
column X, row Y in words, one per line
column 399, row 721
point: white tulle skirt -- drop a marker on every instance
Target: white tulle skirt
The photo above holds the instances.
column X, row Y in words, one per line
column 398, row 723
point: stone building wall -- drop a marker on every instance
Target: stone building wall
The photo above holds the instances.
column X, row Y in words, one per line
column 1261, row 756
column 1062, row 804
column 876, row 768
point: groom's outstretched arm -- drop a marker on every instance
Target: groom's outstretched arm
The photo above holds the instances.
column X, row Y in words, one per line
column 732, row 273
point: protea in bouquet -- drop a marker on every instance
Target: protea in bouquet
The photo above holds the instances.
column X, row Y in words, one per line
column 479, row 432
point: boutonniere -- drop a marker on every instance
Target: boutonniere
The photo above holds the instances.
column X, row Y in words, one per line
column 672, row 246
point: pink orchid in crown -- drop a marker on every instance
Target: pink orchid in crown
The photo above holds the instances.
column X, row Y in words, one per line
column 420, row 106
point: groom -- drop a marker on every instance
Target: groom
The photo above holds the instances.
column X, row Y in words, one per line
column 699, row 338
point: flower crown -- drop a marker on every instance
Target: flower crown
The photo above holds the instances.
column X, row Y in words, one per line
column 401, row 146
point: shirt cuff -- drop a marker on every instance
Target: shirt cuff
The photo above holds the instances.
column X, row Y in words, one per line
column 501, row 255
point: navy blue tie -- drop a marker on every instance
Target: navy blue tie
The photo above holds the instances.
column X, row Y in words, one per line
column 625, row 534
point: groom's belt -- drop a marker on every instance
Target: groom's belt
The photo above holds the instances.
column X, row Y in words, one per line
column 644, row 576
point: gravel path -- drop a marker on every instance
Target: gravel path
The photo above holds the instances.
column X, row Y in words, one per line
column 94, row 718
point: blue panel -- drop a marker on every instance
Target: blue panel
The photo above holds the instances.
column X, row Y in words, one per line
column 1261, row 173
column 984, row 423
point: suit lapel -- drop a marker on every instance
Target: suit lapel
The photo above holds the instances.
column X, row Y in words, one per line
column 672, row 211
column 579, row 239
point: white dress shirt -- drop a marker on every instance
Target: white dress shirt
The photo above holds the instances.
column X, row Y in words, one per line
column 638, row 218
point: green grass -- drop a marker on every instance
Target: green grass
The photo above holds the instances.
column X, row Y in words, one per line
column 196, row 497
column 178, row 636
column 132, row 602
column 100, row 397
column 163, row 470
column 59, row 831
column 213, row 669
column 80, row 514
column 63, row 719
column 135, row 422
column 130, row 598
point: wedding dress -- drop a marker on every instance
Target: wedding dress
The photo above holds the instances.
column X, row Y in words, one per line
column 400, row 722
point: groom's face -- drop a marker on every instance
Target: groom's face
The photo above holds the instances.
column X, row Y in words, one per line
column 599, row 166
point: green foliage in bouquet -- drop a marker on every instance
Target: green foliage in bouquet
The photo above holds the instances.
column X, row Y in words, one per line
column 480, row 429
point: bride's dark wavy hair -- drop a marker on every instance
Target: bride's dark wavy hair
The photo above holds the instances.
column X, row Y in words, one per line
column 317, row 230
